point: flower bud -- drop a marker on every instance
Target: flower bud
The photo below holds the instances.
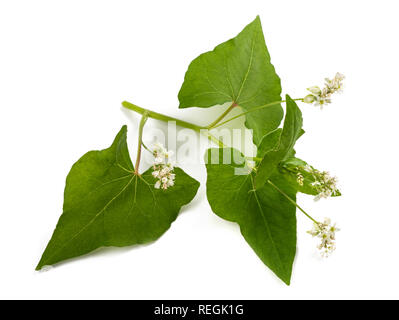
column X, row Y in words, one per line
column 315, row 90
column 310, row 98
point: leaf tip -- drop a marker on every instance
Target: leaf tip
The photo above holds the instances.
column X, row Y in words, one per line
column 121, row 134
column 43, row 267
column 39, row 266
column 288, row 98
column 257, row 21
column 285, row 275
column 181, row 104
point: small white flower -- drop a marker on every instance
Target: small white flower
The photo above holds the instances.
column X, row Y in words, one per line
column 158, row 160
column 163, row 167
column 159, row 148
column 169, row 154
column 321, row 101
column 326, row 232
column 335, row 84
column 155, row 174
column 339, row 76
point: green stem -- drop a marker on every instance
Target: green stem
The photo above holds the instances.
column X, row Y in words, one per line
column 162, row 117
column 202, row 130
column 140, row 142
column 255, row 159
column 213, row 138
column 145, row 147
column 214, row 123
column 254, row 109
column 292, row 201
column 181, row 123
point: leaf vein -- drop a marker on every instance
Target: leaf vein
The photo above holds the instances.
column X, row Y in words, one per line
column 267, row 225
column 210, row 83
column 249, row 66
column 92, row 220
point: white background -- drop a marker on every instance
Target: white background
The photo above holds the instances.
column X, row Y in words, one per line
column 65, row 66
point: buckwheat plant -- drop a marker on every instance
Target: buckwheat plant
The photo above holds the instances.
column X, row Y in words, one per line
column 109, row 201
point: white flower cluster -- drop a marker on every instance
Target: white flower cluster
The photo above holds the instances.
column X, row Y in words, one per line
column 326, row 232
column 163, row 167
column 320, row 97
column 325, row 185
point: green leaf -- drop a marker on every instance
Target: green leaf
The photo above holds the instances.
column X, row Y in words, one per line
column 238, row 71
column 291, row 131
column 106, row 204
column 269, row 142
column 266, row 218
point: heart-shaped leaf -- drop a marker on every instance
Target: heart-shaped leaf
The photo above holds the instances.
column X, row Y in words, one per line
column 106, row 204
column 237, row 71
column 267, row 219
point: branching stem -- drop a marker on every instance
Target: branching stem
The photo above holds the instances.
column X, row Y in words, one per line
column 200, row 129
column 221, row 117
column 252, row 110
column 181, row 123
column 162, row 117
